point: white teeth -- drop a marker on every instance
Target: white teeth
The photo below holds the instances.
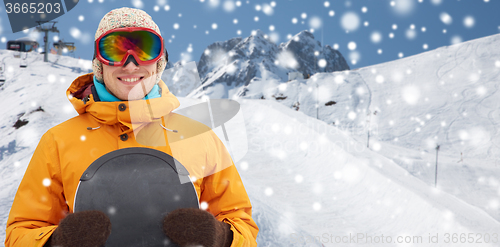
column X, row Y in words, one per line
column 130, row 79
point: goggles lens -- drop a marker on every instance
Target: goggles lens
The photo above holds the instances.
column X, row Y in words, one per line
column 115, row 46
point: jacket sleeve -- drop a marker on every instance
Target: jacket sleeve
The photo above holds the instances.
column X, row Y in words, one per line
column 227, row 199
column 39, row 203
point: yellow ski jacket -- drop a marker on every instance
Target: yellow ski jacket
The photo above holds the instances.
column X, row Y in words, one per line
column 46, row 193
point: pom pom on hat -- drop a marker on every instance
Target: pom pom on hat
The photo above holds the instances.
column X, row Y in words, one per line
column 126, row 17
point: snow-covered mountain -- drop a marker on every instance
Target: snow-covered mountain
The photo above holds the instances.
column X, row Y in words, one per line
column 227, row 68
column 313, row 182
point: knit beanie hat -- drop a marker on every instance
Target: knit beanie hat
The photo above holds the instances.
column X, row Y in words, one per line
column 126, row 17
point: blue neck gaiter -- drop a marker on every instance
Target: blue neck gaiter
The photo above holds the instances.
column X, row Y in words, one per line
column 106, row 96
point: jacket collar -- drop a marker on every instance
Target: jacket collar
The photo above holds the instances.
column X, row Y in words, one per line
column 129, row 114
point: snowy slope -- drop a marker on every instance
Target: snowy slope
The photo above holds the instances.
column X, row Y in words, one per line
column 446, row 97
column 326, row 182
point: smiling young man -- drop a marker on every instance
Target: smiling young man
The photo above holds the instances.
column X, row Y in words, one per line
column 123, row 104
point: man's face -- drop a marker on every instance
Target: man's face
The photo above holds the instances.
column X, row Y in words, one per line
column 129, row 82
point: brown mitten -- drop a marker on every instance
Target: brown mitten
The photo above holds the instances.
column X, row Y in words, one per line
column 83, row 229
column 191, row 227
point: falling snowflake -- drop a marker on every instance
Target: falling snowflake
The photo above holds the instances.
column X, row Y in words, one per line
column 469, row 21
column 411, row 34
column 322, row 63
column 376, row 37
column 46, row 182
column 379, row 79
column 350, row 21
column 75, row 32
column 354, row 56
column 299, row 178
column 137, row 4
column 351, row 45
column 411, row 94
column 213, row 3
column 268, row 191
column 339, row 79
column 351, row 115
column 315, row 22
column 445, row 18
column 274, row 37
column 229, row 6
column 456, row 39
column 403, row 7
column 436, row 2
column 267, row 9
column 287, row 60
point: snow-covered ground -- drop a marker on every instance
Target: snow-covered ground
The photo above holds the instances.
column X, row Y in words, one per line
column 314, row 182
column 447, row 97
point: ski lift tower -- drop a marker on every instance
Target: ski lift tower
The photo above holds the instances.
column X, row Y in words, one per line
column 46, row 30
column 2, row 71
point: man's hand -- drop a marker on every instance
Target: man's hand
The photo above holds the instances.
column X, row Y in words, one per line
column 83, row 229
column 191, row 227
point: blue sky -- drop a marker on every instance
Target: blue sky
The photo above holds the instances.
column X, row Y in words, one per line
column 189, row 26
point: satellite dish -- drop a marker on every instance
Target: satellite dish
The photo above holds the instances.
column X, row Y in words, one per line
column 136, row 188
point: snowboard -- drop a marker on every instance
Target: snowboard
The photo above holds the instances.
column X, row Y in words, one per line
column 136, row 187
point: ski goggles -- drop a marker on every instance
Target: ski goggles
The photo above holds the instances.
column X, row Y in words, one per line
column 115, row 46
